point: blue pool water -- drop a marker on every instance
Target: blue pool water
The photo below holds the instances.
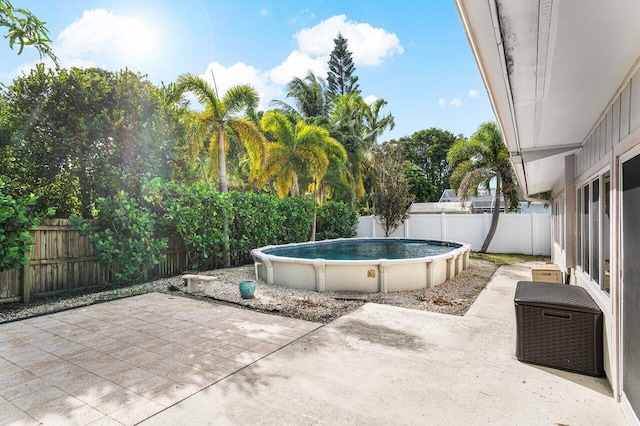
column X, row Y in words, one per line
column 365, row 249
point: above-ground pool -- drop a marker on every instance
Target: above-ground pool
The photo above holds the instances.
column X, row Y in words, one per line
column 362, row 264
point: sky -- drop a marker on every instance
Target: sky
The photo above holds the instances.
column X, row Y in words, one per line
column 414, row 54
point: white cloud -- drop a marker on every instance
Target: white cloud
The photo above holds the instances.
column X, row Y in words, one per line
column 369, row 45
column 369, row 100
column 474, row 93
column 442, row 102
column 240, row 73
column 107, row 38
column 455, row 102
column 298, row 64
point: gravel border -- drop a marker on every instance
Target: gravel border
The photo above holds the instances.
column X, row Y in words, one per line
column 453, row 297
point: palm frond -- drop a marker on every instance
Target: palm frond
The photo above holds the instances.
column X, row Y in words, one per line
column 240, row 97
column 205, row 94
column 253, row 140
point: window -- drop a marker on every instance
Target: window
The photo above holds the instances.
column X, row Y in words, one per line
column 594, row 229
column 585, row 229
column 606, row 234
column 578, row 224
column 558, row 222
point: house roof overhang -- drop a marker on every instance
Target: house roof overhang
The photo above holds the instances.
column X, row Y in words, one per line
column 550, row 68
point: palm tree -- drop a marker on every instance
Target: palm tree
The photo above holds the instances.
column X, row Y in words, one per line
column 358, row 125
column 309, row 95
column 477, row 162
column 299, row 150
column 375, row 125
column 220, row 115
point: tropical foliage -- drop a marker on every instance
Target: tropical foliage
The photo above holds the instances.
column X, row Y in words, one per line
column 73, row 136
column 126, row 237
column 221, row 114
column 298, row 151
column 341, row 78
column 428, row 150
column 25, row 29
column 478, row 161
column 16, row 220
column 137, row 165
column 392, row 196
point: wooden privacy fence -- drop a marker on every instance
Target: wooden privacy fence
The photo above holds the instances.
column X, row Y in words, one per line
column 61, row 260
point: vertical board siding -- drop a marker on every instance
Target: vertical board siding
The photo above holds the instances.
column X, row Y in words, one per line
column 61, row 260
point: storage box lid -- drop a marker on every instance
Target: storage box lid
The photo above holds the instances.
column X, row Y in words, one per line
column 558, row 296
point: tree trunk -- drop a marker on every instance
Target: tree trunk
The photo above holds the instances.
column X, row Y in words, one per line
column 224, row 187
column 222, row 160
column 315, row 211
column 494, row 218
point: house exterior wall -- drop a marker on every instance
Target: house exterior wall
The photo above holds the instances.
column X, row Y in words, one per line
column 615, row 136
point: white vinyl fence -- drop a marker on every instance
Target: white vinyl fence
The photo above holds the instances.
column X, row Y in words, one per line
column 527, row 233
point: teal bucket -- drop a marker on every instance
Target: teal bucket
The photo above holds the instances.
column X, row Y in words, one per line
column 247, row 289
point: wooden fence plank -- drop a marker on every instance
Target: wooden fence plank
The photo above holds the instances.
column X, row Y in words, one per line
column 61, row 259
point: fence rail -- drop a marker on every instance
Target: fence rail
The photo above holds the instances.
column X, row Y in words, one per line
column 527, row 233
column 61, row 260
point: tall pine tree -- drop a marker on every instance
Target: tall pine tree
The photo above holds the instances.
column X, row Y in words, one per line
column 340, row 78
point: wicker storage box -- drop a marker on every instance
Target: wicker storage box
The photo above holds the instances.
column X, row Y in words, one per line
column 558, row 326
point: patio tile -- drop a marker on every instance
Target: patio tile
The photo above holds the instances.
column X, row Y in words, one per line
column 112, row 346
column 136, row 412
column 70, row 349
column 22, row 389
column 133, row 337
column 16, row 378
column 81, row 415
column 115, row 401
column 203, row 361
column 128, row 352
column 46, row 402
column 95, row 340
column 265, row 348
column 226, row 351
column 151, row 385
column 89, row 387
column 105, row 421
column 129, row 377
column 142, row 360
column 246, row 357
column 226, row 367
column 7, row 367
column 49, row 367
column 113, row 330
column 173, row 393
column 152, row 342
column 12, row 415
column 64, row 375
column 168, row 349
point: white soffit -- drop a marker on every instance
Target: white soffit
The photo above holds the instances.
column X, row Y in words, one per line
column 551, row 68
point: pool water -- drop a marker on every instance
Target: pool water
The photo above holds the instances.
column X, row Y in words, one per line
column 365, row 249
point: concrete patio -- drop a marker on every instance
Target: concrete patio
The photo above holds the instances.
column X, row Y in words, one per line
column 138, row 359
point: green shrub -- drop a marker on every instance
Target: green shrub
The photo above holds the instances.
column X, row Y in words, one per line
column 16, row 221
column 260, row 220
column 336, row 220
column 196, row 214
column 125, row 237
column 297, row 214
